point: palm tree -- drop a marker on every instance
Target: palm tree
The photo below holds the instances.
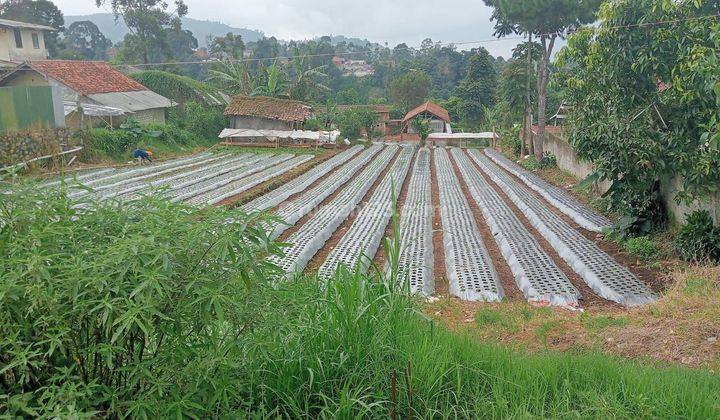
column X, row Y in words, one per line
column 308, row 78
column 275, row 82
column 232, row 76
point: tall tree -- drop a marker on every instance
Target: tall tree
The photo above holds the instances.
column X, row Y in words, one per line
column 85, row 39
column 310, row 82
column 478, row 87
column 228, row 46
column 41, row 12
column 147, row 21
column 273, row 82
column 546, row 20
column 410, row 89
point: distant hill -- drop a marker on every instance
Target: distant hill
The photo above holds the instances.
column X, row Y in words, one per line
column 200, row 28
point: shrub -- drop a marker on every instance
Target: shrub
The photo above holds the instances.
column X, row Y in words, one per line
column 548, row 161
column 642, row 247
column 699, row 239
column 202, row 121
column 123, row 309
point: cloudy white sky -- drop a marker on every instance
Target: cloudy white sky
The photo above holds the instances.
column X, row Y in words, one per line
column 391, row 21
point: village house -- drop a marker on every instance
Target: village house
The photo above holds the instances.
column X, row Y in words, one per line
column 93, row 92
column 261, row 112
column 403, row 130
column 21, row 41
column 357, row 68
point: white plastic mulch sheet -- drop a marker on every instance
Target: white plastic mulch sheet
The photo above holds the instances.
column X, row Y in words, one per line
column 238, row 187
column 144, row 172
column 600, row 271
column 470, row 270
column 292, row 211
column 183, row 177
column 566, row 203
column 534, row 271
column 282, row 193
column 359, row 244
column 416, row 261
column 218, row 182
column 313, row 234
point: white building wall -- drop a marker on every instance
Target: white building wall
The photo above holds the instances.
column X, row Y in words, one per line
column 9, row 51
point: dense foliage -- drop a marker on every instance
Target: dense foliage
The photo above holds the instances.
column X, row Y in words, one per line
column 149, row 309
column 646, row 100
column 698, row 239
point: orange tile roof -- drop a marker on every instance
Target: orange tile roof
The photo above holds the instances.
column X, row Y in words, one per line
column 270, row 108
column 430, row 107
column 87, row 77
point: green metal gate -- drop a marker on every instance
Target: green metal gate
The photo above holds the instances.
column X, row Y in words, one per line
column 25, row 107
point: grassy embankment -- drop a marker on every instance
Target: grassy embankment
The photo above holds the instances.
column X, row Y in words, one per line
column 153, row 309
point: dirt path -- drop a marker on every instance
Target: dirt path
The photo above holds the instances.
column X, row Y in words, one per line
column 442, row 287
column 319, row 257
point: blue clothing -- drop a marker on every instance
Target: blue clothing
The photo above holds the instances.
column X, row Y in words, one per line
column 139, row 153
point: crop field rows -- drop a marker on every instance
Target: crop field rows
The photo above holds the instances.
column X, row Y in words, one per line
column 337, row 212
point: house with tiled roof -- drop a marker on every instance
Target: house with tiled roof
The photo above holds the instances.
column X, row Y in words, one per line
column 92, row 91
column 261, row 112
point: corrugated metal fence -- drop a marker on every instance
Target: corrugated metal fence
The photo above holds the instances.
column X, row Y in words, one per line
column 24, row 107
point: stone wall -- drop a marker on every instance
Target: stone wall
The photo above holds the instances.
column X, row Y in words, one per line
column 568, row 160
column 21, row 146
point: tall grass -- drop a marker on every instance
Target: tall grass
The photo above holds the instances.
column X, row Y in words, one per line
column 152, row 310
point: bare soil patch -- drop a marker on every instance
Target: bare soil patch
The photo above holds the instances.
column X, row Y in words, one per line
column 441, row 283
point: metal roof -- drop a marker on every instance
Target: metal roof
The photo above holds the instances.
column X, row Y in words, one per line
column 133, row 101
column 16, row 24
column 92, row 109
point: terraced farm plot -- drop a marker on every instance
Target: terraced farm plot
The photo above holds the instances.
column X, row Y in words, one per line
column 336, row 212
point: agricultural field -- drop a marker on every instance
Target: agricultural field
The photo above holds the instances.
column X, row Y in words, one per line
column 372, row 281
column 471, row 222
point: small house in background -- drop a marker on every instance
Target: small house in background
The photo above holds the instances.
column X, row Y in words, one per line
column 21, row 41
column 261, row 112
column 438, row 116
column 93, row 92
column 403, row 130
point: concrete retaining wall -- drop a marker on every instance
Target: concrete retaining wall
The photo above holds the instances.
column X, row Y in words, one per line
column 568, row 160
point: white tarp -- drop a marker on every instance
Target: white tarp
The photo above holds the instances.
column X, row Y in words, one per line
column 323, row 136
column 92, row 110
column 485, row 135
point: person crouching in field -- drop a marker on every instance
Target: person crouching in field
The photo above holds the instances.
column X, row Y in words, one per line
column 142, row 156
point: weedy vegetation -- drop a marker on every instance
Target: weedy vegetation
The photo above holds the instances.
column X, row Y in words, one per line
column 151, row 309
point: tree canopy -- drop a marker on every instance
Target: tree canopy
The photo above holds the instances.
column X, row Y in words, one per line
column 85, row 39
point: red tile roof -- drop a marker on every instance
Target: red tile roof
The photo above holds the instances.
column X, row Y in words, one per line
column 270, row 108
column 430, row 107
column 87, row 77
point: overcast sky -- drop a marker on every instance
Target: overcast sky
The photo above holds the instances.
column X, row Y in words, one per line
column 391, row 21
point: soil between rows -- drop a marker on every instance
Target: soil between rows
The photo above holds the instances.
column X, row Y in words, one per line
column 442, row 287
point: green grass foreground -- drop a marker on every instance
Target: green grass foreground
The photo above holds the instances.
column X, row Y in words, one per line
column 151, row 309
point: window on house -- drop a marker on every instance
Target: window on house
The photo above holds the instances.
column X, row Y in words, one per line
column 36, row 41
column 18, row 38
